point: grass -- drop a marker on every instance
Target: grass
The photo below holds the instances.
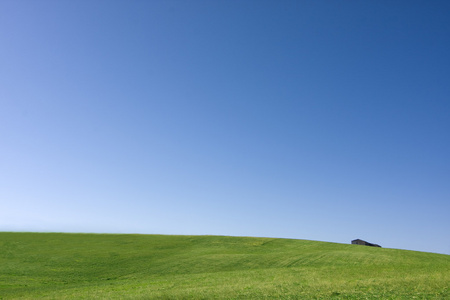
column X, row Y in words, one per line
column 109, row 266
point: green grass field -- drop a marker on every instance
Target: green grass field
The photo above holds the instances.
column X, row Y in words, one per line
column 109, row 266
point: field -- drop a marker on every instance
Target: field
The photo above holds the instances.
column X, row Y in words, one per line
column 109, row 266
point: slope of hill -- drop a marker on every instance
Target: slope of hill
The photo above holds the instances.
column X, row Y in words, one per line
column 109, row 266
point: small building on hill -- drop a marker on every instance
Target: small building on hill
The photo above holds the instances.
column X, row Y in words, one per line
column 361, row 242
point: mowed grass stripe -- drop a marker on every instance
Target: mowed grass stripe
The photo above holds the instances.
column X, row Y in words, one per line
column 118, row 266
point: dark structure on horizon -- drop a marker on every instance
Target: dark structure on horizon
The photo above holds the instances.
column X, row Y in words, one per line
column 361, row 242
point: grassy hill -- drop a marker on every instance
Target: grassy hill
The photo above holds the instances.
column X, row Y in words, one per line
column 107, row 266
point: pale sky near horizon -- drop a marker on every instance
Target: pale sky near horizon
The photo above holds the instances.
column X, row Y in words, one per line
column 321, row 120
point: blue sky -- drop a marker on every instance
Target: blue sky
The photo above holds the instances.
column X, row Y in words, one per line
column 322, row 120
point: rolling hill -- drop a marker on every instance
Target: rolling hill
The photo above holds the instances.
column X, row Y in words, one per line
column 127, row 266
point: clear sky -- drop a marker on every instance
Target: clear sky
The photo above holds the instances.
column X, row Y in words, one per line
column 321, row 120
